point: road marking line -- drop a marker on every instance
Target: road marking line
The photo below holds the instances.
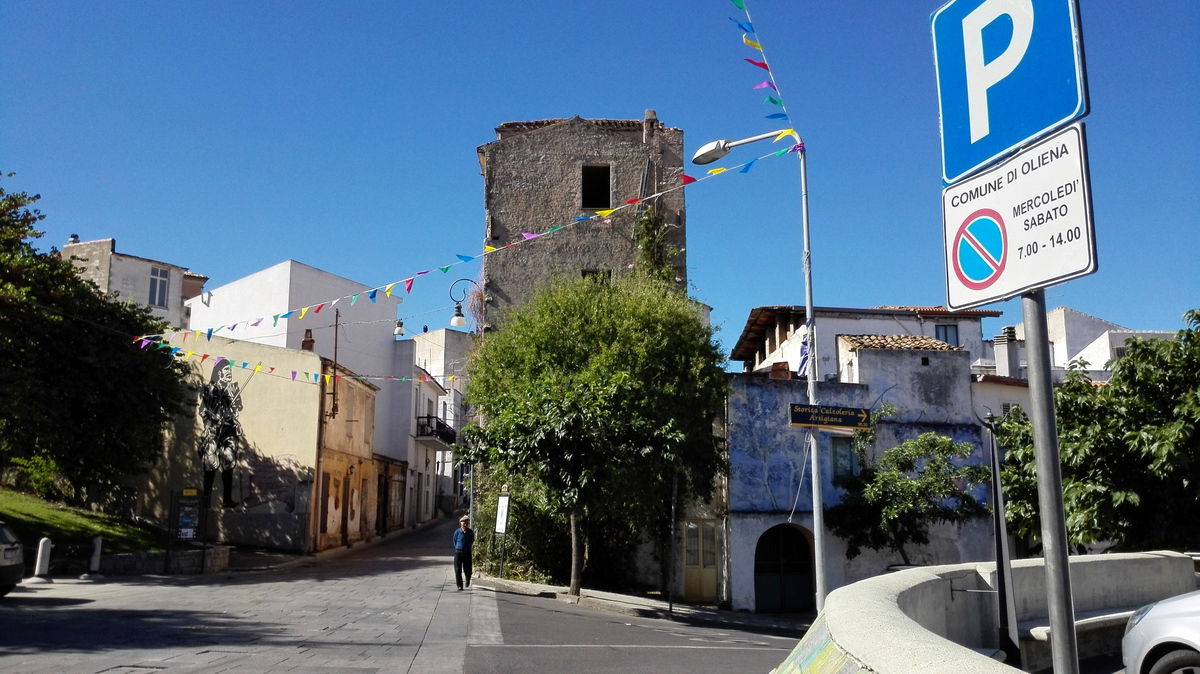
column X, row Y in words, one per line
column 483, row 625
column 685, row 647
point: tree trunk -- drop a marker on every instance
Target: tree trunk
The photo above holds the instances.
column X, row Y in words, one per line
column 576, row 554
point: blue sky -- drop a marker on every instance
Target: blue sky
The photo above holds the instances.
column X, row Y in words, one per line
column 229, row 136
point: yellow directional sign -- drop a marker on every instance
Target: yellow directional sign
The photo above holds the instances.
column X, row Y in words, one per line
column 815, row 416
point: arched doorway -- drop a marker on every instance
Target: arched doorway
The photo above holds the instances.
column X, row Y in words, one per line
column 783, row 571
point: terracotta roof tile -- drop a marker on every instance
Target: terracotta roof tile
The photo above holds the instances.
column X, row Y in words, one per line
column 907, row 342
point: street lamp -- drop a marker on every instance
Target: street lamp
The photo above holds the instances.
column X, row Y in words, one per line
column 459, row 320
column 399, row 329
column 707, row 154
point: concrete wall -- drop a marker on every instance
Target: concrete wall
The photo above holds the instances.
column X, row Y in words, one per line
column 365, row 342
column 532, row 181
column 279, row 419
column 831, row 324
column 214, row 559
column 926, row 620
column 347, row 477
column 127, row 277
column 769, row 481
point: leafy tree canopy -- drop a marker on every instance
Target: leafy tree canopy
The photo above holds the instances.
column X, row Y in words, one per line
column 892, row 502
column 1130, row 449
column 603, row 392
column 83, row 406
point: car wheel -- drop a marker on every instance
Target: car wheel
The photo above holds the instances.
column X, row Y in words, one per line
column 5, row 589
column 1178, row 662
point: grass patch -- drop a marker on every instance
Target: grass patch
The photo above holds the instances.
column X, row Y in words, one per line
column 34, row 519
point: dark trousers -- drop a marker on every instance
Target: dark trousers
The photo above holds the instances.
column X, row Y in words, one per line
column 462, row 565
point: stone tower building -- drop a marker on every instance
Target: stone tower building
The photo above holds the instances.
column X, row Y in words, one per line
column 546, row 173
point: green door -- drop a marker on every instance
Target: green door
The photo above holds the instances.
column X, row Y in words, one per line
column 783, row 571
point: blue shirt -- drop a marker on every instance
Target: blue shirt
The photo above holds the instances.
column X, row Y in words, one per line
column 464, row 539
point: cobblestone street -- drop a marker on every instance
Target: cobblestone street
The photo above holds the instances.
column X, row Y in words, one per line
column 384, row 608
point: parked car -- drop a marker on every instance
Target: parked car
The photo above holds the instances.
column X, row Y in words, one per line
column 1164, row 637
column 12, row 560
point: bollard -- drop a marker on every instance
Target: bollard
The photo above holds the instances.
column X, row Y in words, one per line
column 94, row 564
column 41, row 569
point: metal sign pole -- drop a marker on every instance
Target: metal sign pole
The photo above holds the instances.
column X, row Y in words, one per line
column 1005, row 604
column 1064, row 648
column 814, row 447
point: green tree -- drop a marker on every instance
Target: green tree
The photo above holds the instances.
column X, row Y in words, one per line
column 1130, row 449
column 891, row 503
column 84, row 406
column 655, row 256
column 605, row 393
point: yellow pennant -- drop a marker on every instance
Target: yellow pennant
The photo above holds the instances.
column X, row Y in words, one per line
column 785, row 133
column 257, row 368
column 302, row 312
column 716, row 171
column 388, row 290
column 750, row 43
column 488, row 249
column 606, row 213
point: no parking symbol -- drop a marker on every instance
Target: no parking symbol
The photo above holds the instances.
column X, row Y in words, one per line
column 980, row 249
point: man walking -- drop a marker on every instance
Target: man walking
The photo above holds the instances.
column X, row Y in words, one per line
column 464, row 540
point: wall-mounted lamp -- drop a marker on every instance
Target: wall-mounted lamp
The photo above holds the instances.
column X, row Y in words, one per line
column 459, row 320
column 399, row 331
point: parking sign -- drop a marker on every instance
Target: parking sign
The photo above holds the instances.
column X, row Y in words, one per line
column 1008, row 73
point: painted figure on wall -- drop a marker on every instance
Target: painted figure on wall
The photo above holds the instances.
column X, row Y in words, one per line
column 220, row 403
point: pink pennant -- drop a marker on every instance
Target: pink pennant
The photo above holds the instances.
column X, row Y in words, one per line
column 760, row 64
column 687, row 180
column 766, row 85
column 633, row 201
column 408, row 285
column 529, row 235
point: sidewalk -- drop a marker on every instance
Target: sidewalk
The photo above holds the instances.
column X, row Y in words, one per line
column 645, row 607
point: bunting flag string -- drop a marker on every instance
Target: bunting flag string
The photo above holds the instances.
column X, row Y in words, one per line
column 749, row 37
column 263, row 369
column 752, row 39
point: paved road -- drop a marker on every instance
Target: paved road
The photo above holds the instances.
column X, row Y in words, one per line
column 391, row 607
column 548, row 635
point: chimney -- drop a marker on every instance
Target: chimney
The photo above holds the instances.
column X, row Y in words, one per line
column 1008, row 361
column 648, row 125
column 308, row 342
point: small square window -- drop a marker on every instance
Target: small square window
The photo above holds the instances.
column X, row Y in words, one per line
column 596, row 189
column 947, row 334
column 602, row 276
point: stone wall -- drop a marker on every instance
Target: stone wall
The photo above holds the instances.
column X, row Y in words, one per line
column 533, row 181
column 215, row 559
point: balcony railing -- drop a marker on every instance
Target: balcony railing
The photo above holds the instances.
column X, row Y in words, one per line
column 435, row 427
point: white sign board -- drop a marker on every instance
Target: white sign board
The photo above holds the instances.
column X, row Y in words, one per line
column 502, row 514
column 1022, row 225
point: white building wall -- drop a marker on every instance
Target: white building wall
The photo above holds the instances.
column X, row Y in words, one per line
column 131, row 277
column 365, row 343
column 1103, row 349
column 993, row 396
column 829, row 328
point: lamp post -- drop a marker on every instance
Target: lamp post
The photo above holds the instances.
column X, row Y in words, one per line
column 459, row 320
column 707, row 154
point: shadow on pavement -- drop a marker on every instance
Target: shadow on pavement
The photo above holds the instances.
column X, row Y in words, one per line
column 83, row 630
